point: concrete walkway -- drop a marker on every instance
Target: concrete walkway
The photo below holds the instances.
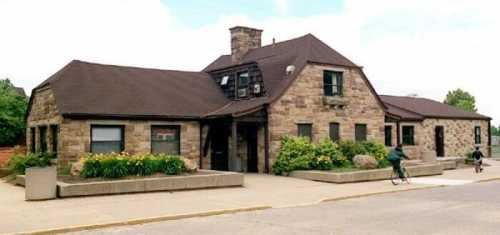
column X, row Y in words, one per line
column 260, row 190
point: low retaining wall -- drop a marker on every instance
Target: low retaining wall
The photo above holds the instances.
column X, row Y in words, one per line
column 211, row 179
column 366, row 175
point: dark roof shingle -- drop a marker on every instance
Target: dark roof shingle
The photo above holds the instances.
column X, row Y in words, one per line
column 83, row 88
column 411, row 107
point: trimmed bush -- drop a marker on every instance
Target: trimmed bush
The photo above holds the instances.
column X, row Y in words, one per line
column 18, row 163
column 121, row 165
column 350, row 148
column 295, row 154
column 298, row 153
column 327, row 148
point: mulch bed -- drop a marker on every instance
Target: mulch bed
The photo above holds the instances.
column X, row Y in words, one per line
column 77, row 179
column 5, row 154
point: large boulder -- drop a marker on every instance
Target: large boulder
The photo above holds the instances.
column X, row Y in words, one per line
column 365, row 162
column 190, row 164
column 76, row 168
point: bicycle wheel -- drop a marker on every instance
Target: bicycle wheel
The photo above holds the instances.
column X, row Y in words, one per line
column 395, row 178
column 407, row 176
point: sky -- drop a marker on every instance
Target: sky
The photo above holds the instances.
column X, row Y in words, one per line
column 423, row 47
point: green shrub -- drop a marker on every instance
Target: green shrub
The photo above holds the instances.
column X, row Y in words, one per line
column 295, row 153
column 384, row 163
column 350, row 148
column 375, row 149
column 121, row 165
column 327, row 148
column 18, row 163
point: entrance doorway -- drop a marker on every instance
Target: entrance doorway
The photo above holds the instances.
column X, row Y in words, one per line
column 439, row 133
column 252, row 160
column 219, row 144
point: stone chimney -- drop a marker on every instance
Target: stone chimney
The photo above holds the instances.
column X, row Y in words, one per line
column 242, row 40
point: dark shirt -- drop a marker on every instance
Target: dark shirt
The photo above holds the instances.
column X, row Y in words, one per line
column 477, row 155
column 396, row 154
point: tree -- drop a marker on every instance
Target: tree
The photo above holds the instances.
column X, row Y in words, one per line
column 495, row 130
column 12, row 111
column 461, row 99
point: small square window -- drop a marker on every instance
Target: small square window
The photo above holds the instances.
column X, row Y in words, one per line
column 165, row 139
column 408, row 135
column 332, row 83
column 305, row 130
column 106, row 139
column 360, row 132
column 477, row 135
column 224, row 80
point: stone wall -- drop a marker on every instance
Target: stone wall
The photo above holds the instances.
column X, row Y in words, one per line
column 303, row 103
column 459, row 136
column 75, row 137
column 43, row 112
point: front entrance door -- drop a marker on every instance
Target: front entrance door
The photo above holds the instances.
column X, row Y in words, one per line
column 219, row 144
column 439, row 132
column 252, row 161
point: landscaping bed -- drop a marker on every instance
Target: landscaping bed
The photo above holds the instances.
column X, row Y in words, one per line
column 352, row 175
column 76, row 186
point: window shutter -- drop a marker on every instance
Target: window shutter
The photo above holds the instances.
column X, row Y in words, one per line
column 340, row 83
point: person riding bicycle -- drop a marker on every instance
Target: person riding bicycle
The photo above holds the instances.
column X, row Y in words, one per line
column 477, row 155
column 394, row 158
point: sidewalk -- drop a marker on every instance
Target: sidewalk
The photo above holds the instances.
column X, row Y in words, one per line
column 260, row 190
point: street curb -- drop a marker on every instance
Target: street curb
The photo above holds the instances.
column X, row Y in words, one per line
column 145, row 220
column 487, row 180
column 377, row 193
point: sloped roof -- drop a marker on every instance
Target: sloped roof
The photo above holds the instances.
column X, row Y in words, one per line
column 410, row 108
column 273, row 60
column 20, row 91
column 83, row 88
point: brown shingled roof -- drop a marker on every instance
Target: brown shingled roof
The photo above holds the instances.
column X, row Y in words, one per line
column 90, row 89
column 83, row 88
column 273, row 60
column 408, row 108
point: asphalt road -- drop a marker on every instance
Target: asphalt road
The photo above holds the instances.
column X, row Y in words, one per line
column 467, row 209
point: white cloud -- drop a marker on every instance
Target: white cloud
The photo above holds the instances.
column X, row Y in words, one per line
column 424, row 47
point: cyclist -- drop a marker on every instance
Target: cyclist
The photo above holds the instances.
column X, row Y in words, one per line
column 477, row 155
column 395, row 159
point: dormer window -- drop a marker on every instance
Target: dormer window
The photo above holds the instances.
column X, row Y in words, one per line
column 242, row 84
column 332, row 83
column 224, row 80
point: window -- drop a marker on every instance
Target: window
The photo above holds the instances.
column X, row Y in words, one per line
column 43, row 138
column 335, row 131
column 477, row 134
column 243, row 81
column 388, row 135
column 360, row 132
column 54, row 132
column 332, row 83
column 224, row 81
column 408, row 135
column 305, row 130
column 165, row 139
column 33, row 140
column 106, row 139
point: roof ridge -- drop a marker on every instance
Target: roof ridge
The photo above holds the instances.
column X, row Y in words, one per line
column 404, row 109
column 136, row 67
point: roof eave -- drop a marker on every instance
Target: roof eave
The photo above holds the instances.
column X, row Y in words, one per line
column 130, row 116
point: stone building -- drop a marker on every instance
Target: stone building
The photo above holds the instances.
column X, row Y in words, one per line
column 232, row 114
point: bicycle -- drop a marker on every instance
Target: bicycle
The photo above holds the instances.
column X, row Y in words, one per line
column 477, row 166
column 395, row 179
